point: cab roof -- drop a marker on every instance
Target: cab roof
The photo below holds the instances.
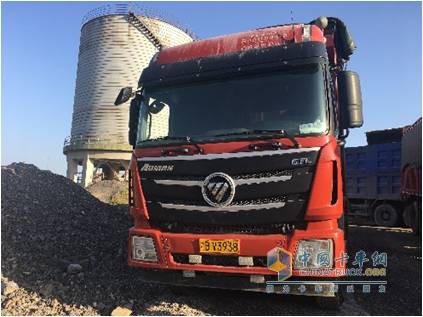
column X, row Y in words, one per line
column 241, row 42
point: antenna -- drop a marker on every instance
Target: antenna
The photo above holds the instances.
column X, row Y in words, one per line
column 292, row 23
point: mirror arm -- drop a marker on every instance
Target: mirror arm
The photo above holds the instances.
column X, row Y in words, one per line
column 136, row 93
column 342, row 136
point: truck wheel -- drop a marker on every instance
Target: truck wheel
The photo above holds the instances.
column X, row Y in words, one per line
column 418, row 219
column 412, row 217
column 408, row 216
column 386, row 215
column 330, row 303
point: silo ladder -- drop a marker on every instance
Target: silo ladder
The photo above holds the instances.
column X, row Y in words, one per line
column 140, row 26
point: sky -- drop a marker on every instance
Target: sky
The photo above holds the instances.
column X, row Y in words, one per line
column 39, row 55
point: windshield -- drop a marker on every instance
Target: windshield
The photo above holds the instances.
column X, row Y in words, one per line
column 293, row 100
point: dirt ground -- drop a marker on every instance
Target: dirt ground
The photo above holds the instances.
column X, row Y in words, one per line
column 404, row 270
column 64, row 253
column 402, row 297
column 110, row 191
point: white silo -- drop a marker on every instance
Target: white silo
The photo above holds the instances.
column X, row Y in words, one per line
column 115, row 46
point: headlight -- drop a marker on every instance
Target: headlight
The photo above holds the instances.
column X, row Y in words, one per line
column 143, row 249
column 314, row 254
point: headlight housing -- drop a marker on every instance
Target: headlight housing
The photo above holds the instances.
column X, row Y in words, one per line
column 312, row 254
column 143, row 249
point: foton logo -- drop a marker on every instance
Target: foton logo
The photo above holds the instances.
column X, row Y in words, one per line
column 301, row 161
column 156, row 168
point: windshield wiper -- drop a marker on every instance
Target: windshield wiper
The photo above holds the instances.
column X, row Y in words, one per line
column 169, row 137
column 270, row 132
column 187, row 139
column 281, row 132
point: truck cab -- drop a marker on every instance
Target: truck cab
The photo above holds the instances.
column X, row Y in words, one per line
column 238, row 153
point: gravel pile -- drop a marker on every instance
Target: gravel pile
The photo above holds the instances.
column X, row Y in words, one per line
column 55, row 235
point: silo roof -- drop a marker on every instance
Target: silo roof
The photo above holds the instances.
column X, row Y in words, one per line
column 123, row 9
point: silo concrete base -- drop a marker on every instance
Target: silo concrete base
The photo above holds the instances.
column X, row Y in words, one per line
column 86, row 167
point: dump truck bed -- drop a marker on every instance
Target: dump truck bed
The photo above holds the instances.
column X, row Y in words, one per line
column 374, row 171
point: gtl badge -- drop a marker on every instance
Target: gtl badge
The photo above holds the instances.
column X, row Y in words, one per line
column 301, row 161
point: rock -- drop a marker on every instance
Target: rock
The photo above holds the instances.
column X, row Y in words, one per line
column 74, row 268
column 121, row 311
column 10, row 288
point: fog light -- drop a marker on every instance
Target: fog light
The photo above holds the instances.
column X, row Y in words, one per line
column 314, row 254
column 245, row 261
column 195, row 258
column 143, row 249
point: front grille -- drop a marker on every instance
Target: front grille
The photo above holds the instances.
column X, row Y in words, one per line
column 177, row 227
column 223, row 260
column 269, row 192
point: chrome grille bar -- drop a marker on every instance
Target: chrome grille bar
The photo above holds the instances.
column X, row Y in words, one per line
column 230, row 208
column 245, row 181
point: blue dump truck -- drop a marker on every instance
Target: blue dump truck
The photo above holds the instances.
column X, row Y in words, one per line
column 379, row 177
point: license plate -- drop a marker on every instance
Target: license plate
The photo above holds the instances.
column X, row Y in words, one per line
column 227, row 246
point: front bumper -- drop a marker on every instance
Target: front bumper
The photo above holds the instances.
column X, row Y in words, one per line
column 169, row 244
column 239, row 282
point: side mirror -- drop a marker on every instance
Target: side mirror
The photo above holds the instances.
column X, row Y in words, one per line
column 351, row 104
column 124, row 95
column 156, row 107
column 134, row 110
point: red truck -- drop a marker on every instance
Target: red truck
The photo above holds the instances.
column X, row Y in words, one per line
column 411, row 176
column 238, row 149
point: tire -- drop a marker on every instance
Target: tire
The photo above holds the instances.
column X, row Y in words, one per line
column 417, row 228
column 386, row 215
column 413, row 215
column 330, row 303
column 409, row 216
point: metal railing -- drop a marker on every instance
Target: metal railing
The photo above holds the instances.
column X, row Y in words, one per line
column 126, row 8
column 139, row 25
column 95, row 143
